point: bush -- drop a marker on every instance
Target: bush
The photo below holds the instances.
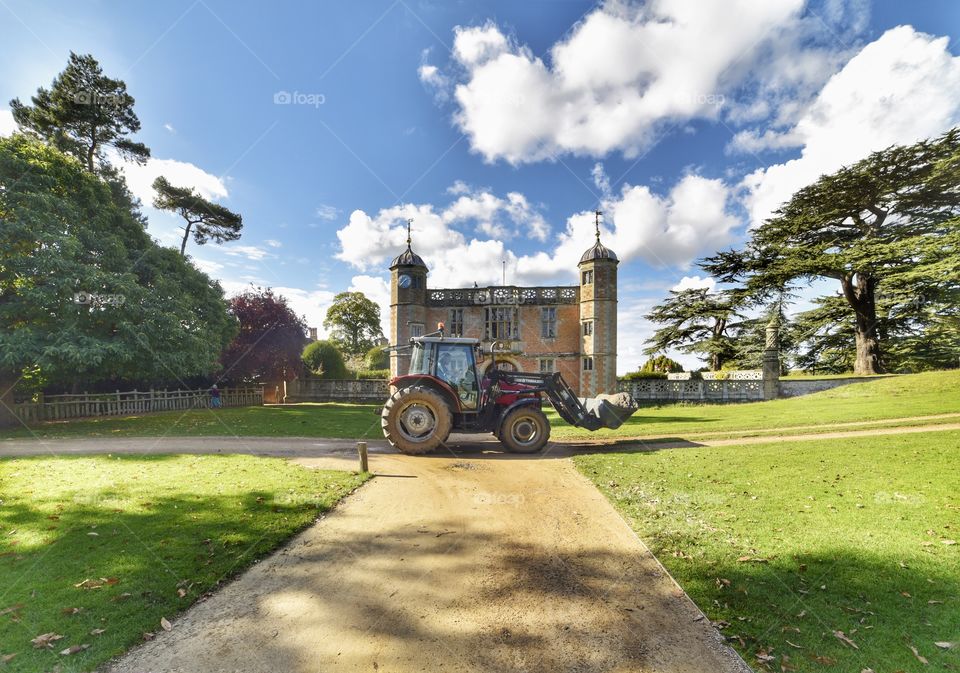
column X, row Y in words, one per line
column 373, row 374
column 324, row 359
column 377, row 358
column 662, row 364
column 641, row 375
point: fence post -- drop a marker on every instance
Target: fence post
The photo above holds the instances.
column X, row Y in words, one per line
column 362, row 454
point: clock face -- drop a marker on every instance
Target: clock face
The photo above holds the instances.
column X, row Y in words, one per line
column 404, row 281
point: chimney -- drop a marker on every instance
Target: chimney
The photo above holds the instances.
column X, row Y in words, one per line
column 313, row 334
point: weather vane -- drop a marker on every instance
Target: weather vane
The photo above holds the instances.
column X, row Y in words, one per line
column 409, row 222
column 597, row 214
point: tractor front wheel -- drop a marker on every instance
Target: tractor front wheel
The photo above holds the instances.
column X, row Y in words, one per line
column 416, row 420
column 525, row 430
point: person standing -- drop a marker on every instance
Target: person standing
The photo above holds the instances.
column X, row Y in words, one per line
column 215, row 401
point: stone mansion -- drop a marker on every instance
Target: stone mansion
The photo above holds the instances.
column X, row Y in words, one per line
column 570, row 329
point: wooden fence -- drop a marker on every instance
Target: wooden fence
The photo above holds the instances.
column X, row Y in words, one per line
column 60, row 407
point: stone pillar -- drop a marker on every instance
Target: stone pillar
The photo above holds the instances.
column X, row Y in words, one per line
column 771, row 361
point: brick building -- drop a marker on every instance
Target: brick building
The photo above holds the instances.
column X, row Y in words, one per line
column 570, row 329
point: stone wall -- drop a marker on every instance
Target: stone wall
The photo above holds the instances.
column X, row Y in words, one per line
column 724, row 390
column 333, row 390
column 797, row 387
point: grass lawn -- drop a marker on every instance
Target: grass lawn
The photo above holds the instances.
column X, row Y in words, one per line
column 97, row 550
column 801, row 551
column 333, row 420
column 877, row 399
column 880, row 398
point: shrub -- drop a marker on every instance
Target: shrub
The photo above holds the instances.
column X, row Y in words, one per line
column 377, row 358
column 324, row 359
column 641, row 375
column 373, row 374
column 662, row 364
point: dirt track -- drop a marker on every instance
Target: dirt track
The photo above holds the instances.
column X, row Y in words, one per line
column 484, row 562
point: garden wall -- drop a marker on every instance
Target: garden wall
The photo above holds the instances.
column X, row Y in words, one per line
column 311, row 389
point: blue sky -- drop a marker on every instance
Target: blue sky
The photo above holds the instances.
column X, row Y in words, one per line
column 497, row 126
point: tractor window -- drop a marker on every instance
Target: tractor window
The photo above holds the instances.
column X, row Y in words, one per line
column 455, row 366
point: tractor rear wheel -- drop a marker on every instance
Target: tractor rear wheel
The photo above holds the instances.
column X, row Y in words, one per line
column 525, row 430
column 416, row 420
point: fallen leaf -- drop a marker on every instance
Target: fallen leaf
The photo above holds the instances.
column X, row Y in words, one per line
column 867, row 670
column 932, row 602
column 73, row 649
column 165, row 624
column 45, row 640
column 842, row 637
column 97, row 632
column 920, row 657
column 943, row 645
column 823, row 661
column 799, row 647
column 12, row 608
column 948, row 542
column 71, row 611
column 7, row 657
column 181, row 593
column 149, row 636
column 94, row 534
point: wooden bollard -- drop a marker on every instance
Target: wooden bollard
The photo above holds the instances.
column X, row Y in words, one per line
column 362, row 452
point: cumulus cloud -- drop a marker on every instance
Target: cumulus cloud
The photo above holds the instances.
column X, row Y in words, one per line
column 898, row 89
column 622, row 72
column 326, row 212
column 251, row 252
column 695, row 283
column 7, row 125
column 179, row 173
column 668, row 230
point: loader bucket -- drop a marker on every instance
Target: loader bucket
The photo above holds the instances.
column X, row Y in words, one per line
column 611, row 411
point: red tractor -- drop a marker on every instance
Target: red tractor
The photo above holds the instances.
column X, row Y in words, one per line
column 443, row 393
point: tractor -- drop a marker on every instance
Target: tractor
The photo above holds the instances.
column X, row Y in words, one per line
column 443, row 392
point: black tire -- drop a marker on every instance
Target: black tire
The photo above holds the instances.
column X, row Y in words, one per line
column 416, row 420
column 524, row 430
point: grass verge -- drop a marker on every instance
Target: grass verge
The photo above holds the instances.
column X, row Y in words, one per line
column 97, row 550
column 811, row 556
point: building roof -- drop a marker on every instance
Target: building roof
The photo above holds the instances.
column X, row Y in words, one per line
column 598, row 251
column 407, row 258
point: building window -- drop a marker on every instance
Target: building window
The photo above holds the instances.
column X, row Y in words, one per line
column 416, row 329
column 588, row 328
column 456, row 322
column 588, row 364
column 417, row 282
column 587, row 277
column 547, row 365
column 501, row 322
column 548, row 322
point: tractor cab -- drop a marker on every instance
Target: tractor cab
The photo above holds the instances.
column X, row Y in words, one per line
column 452, row 360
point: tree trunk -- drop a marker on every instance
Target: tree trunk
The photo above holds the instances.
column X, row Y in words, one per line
column 186, row 235
column 860, row 292
column 7, row 419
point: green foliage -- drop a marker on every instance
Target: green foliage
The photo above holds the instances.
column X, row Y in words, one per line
column 373, row 374
column 163, row 524
column 377, row 357
column 663, row 364
column 354, row 322
column 696, row 321
column 643, row 375
column 324, row 359
column 86, row 295
column 886, row 224
column 83, row 113
column 208, row 221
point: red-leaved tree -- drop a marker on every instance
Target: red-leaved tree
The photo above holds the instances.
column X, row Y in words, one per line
column 270, row 340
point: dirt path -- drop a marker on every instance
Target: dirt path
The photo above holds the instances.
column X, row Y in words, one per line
column 487, row 562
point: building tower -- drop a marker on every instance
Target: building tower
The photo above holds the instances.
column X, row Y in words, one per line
column 598, row 319
column 408, row 304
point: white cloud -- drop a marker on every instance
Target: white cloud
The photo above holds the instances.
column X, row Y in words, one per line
column 600, row 179
column 169, row 127
column 695, row 283
column 179, row 173
column 251, row 252
column 621, row 73
column 7, row 125
column 752, row 141
column 208, row 266
column 325, row 212
column 663, row 231
column 898, row 89
column 273, row 243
